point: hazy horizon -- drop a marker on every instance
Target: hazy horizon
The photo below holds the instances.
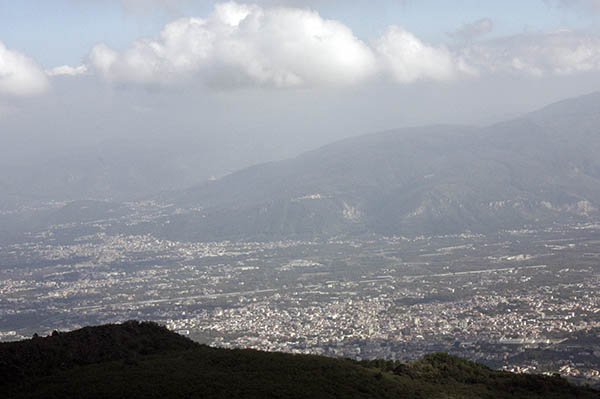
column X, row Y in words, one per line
column 344, row 178
column 248, row 83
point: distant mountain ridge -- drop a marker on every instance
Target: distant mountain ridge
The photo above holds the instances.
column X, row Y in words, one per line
column 538, row 170
column 144, row 360
column 541, row 168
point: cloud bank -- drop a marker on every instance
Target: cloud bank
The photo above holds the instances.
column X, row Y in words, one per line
column 473, row 30
column 19, row 74
column 408, row 59
column 67, row 70
column 243, row 45
column 248, row 45
column 557, row 53
column 280, row 47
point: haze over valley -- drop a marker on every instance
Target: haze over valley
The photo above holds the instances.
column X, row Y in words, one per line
column 341, row 180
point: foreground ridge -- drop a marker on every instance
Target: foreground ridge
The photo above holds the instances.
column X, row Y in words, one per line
column 143, row 359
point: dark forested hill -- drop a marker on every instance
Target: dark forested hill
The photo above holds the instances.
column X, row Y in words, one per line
column 142, row 360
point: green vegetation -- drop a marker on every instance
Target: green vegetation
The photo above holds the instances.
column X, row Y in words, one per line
column 60, row 351
column 141, row 360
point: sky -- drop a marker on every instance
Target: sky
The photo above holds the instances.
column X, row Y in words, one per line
column 257, row 81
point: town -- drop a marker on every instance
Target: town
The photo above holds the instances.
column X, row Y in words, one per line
column 520, row 300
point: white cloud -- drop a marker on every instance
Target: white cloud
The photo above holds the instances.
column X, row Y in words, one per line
column 67, row 70
column 239, row 45
column 562, row 52
column 408, row 59
column 473, row 30
column 19, row 74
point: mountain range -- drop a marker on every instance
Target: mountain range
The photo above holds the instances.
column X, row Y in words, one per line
column 541, row 168
column 536, row 170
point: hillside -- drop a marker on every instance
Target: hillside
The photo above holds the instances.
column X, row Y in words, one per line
column 144, row 360
column 539, row 169
column 60, row 351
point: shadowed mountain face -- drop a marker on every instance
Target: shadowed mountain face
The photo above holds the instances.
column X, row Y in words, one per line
column 143, row 360
column 90, row 345
column 541, row 168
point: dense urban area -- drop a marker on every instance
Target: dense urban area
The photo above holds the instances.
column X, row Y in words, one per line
column 523, row 300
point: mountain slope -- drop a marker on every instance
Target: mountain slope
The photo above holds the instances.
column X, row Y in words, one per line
column 60, row 351
column 165, row 365
column 541, row 168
